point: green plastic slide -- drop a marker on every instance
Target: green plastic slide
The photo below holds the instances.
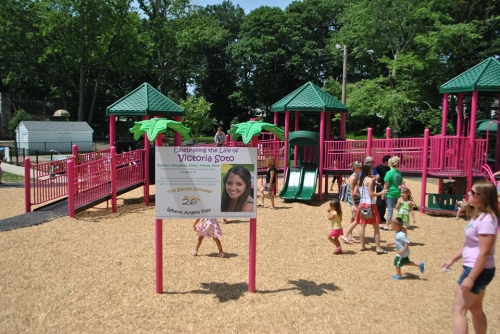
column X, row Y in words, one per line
column 300, row 183
column 292, row 183
column 308, row 186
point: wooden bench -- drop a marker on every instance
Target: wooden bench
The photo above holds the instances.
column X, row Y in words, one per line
column 442, row 203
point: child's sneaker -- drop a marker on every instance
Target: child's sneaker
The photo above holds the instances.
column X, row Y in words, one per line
column 421, row 266
column 338, row 251
column 396, row 277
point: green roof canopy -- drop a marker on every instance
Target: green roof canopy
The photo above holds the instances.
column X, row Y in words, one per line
column 482, row 126
column 484, row 77
column 303, row 138
column 143, row 101
column 309, row 98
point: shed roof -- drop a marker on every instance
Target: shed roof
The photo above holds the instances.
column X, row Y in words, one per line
column 309, row 98
column 142, row 101
column 55, row 126
column 484, row 77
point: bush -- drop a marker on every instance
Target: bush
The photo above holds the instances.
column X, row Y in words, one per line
column 19, row 116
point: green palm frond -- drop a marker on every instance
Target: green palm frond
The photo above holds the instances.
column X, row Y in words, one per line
column 248, row 130
column 155, row 126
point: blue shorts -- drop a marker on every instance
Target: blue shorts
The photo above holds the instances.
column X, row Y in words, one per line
column 481, row 281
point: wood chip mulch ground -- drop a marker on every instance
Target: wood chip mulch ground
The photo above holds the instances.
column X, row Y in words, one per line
column 96, row 274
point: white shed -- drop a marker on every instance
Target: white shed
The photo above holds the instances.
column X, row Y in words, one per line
column 54, row 136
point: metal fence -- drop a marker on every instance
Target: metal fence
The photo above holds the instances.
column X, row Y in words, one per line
column 47, row 151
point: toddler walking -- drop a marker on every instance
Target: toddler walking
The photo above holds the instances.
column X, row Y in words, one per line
column 335, row 217
column 403, row 248
column 462, row 207
column 270, row 183
column 209, row 228
column 404, row 208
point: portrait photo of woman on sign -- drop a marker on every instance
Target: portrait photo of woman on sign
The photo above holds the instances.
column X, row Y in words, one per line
column 237, row 190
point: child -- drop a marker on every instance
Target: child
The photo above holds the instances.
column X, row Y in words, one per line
column 335, row 217
column 270, row 182
column 404, row 207
column 463, row 207
column 209, row 228
column 403, row 249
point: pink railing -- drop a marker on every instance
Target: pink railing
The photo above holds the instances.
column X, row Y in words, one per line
column 48, row 181
column 91, row 177
column 409, row 150
column 339, row 154
column 269, row 148
column 92, row 156
column 447, row 156
column 130, row 169
column 489, row 174
column 91, row 181
column 450, row 155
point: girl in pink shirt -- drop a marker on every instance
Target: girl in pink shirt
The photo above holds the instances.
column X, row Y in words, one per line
column 477, row 255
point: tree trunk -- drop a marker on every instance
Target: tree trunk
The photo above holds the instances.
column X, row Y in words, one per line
column 82, row 68
column 94, row 97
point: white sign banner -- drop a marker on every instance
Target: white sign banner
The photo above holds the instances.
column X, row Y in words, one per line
column 206, row 182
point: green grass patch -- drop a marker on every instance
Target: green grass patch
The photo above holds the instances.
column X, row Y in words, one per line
column 9, row 177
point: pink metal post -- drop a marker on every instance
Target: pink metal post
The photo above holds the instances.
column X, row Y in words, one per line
column 328, row 124
column 146, row 167
column 146, row 161
column 177, row 135
column 159, row 255
column 113, row 179
column 158, row 222
column 229, row 139
column 328, row 136
column 369, row 142
column 444, row 121
column 287, row 145
column 296, row 149
column 276, row 123
column 74, row 152
column 388, row 140
column 112, row 130
column 444, row 115
column 342, row 125
column 252, row 255
column 321, row 152
column 425, row 162
column 27, row 185
column 472, row 137
column 460, row 113
column 496, row 166
column 252, row 258
column 71, row 188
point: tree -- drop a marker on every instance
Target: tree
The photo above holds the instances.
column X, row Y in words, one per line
column 197, row 115
column 217, row 75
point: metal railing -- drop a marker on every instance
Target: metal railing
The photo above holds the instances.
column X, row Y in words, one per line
column 446, row 156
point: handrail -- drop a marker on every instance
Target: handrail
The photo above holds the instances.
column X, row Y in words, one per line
column 489, row 173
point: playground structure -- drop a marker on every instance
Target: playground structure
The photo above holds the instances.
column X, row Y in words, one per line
column 303, row 179
column 99, row 176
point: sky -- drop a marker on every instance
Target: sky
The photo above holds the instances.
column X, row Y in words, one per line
column 247, row 5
